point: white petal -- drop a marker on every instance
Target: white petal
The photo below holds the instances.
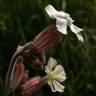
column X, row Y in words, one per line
column 59, row 73
column 75, row 29
column 61, row 25
column 62, row 14
column 80, row 37
column 60, row 78
column 58, row 69
column 46, row 69
column 58, row 87
column 51, row 63
column 52, row 12
column 52, row 88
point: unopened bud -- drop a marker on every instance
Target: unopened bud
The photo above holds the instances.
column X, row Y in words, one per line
column 33, row 85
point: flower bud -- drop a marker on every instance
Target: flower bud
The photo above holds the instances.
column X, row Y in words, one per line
column 32, row 85
column 34, row 50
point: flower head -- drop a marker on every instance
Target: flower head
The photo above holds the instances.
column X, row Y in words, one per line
column 62, row 21
column 55, row 75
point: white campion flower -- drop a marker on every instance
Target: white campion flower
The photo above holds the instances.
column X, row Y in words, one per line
column 55, row 75
column 62, row 21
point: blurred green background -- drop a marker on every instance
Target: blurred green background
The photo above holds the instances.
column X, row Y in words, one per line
column 22, row 20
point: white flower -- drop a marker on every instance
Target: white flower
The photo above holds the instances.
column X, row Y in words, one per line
column 62, row 21
column 55, row 74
